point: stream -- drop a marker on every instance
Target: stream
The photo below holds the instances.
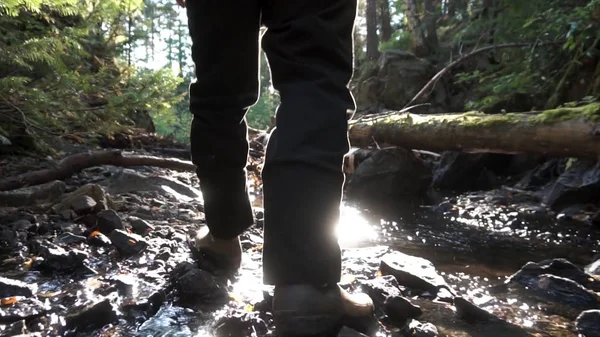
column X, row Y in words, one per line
column 474, row 241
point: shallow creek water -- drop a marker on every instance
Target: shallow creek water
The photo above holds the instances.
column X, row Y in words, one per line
column 474, row 240
column 474, row 247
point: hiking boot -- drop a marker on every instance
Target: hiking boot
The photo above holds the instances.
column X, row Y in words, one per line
column 306, row 310
column 214, row 254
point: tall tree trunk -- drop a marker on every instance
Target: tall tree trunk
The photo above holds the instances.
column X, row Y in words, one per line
column 429, row 25
column 372, row 38
column 451, row 8
column 386, row 20
column 414, row 27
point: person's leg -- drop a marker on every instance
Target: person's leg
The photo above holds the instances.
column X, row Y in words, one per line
column 225, row 52
column 310, row 51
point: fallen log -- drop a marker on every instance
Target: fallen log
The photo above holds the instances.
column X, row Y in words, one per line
column 561, row 132
column 78, row 162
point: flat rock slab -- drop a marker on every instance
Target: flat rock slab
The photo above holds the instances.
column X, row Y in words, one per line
column 412, row 272
column 10, row 287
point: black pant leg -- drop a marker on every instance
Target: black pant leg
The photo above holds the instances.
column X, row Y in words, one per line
column 309, row 47
column 225, row 52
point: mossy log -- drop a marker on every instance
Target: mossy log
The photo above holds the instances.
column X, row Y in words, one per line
column 561, row 132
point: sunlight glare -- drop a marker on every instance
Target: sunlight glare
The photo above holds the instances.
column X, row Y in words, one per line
column 353, row 229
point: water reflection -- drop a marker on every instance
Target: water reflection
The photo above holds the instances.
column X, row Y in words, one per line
column 353, row 229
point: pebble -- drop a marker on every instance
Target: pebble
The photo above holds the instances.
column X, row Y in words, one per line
column 588, row 323
column 10, row 287
column 140, row 226
column 127, row 244
column 108, row 221
column 91, row 316
column 83, row 204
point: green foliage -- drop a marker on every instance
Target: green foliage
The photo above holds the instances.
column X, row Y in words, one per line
column 401, row 40
column 540, row 70
column 65, row 67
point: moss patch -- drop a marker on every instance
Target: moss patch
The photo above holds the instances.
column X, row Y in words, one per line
column 475, row 119
column 589, row 112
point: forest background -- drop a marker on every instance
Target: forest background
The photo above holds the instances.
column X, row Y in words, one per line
column 74, row 68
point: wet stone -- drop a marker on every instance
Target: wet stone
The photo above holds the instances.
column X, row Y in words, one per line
column 91, row 316
column 99, row 240
column 127, row 244
column 470, row 312
column 564, row 291
column 200, row 285
column 588, row 323
column 399, row 310
column 83, row 204
column 56, row 258
column 140, row 226
column 557, row 267
column 593, row 268
column 15, row 329
column 417, row 329
column 240, row 324
column 23, row 309
column 10, row 287
column 21, row 225
column 381, row 288
column 70, row 238
column 109, row 221
column 412, row 272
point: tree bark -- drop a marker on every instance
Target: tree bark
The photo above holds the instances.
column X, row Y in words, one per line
column 414, row 27
column 386, row 20
column 78, row 162
column 372, row 38
column 564, row 132
column 429, row 25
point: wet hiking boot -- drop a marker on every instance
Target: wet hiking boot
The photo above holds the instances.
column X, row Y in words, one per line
column 306, row 310
column 216, row 255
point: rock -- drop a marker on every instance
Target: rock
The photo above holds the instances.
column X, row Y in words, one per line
column 412, row 272
column 45, row 193
column 199, row 285
column 15, row 329
column 21, row 225
column 390, row 173
column 562, row 291
column 380, row 288
column 579, row 184
column 460, row 171
column 417, row 329
column 470, row 312
column 55, row 258
column 98, row 239
column 399, row 309
column 140, row 226
column 10, row 287
column 588, row 323
column 593, row 268
column 83, row 204
column 91, row 316
column 79, row 200
column 109, row 221
column 557, row 267
column 70, row 238
column 541, row 175
column 127, row 244
column 240, row 324
column 23, row 309
column 395, row 80
column 128, row 181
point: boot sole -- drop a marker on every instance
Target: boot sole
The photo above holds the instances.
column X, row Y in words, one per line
column 290, row 324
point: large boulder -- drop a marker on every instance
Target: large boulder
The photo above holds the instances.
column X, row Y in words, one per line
column 396, row 78
column 392, row 173
column 579, row 184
